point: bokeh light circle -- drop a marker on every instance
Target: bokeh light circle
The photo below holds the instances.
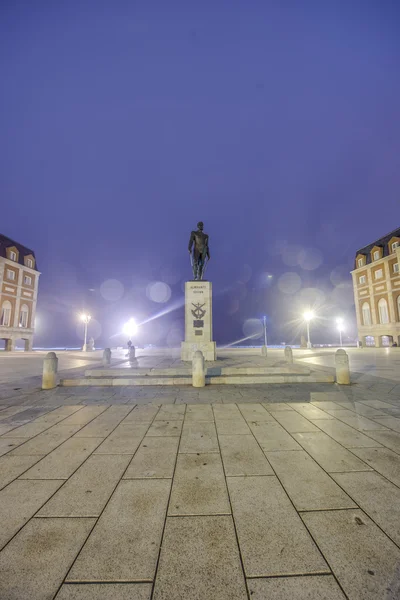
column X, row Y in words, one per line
column 158, row 291
column 289, row 283
column 112, row 290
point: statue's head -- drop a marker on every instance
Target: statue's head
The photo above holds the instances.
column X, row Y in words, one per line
column 200, row 225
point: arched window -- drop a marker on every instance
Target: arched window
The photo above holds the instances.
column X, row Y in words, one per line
column 23, row 317
column 383, row 311
column 6, row 314
column 366, row 313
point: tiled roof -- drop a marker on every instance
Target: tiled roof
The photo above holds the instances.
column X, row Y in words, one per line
column 6, row 242
column 383, row 242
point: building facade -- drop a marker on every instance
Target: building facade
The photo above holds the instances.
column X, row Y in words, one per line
column 376, row 283
column 19, row 281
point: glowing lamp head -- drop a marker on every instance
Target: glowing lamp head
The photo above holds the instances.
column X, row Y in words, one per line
column 85, row 318
column 340, row 324
column 130, row 328
column 308, row 315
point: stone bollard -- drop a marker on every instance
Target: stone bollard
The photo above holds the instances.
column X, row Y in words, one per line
column 50, row 366
column 107, row 357
column 342, row 367
column 198, row 370
column 264, row 350
column 132, row 353
column 288, row 354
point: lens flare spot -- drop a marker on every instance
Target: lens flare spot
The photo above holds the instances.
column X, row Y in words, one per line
column 289, row 283
column 158, row 291
column 112, row 290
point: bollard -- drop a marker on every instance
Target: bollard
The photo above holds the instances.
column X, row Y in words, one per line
column 264, row 350
column 288, row 354
column 50, row 366
column 342, row 367
column 198, row 370
column 107, row 357
column 132, row 353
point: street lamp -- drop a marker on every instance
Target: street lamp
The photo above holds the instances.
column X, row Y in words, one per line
column 339, row 322
column 265, row 330
column 130, row 328
column 308, row 316
column 86, row 320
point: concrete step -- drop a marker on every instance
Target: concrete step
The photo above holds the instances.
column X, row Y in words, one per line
column 187, row 371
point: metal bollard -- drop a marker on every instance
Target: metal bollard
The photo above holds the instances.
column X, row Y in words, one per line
column 107, row 357
column 264, row 350
column 288, row 354
column 342, row 367
column 132, row 353
column 50, row 366
column 198, row 370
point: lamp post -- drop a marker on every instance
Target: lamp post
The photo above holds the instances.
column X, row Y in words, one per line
column 265, row 331
column 308, row 316
column 86, row 320
column 130, row 328
column 339, row 322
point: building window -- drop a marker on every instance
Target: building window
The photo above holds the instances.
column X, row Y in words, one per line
column 13, row 255
column 366, row 313
column 377, row 255
column 394, row 246
column 360, row 262
column 378, row 274
column 5, row 314
column 29, row 263
column 396, row 268
column 23, row 317
column 383, row 311
column 362, row 279
column 10, row 274
column 28, row 280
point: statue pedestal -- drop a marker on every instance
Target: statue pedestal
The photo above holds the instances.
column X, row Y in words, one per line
column 198, row 321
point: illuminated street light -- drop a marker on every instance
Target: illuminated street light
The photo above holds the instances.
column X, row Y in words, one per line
column 86, row 320
column 340, row 326
column 308, row 316
column 130, row 328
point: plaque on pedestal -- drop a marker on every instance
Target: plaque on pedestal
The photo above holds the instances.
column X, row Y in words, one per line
column 198, row 321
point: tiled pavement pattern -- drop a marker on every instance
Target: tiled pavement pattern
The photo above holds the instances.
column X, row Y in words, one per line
column 229, row 500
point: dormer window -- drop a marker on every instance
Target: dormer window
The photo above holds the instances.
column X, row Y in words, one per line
column 376, row 255
column 29, row 263
column 394, row 246
column 360, row 262
column 13, row 255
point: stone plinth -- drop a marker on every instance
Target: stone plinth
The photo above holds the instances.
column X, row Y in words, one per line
column 198, row 321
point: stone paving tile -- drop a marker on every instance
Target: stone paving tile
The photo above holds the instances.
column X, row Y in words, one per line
column 144, row 413
column 45, row 442
column 255, row 412
column 273, row 407
column 132, row 523
column 232, row 427
column 12, row 467
column 86, row 493
column 105, row 423
column 165, row 429
column 201, row 412
column 388, row 438
column 325, row 405
column 346, row 435
column 7, row 444
column 379, row 498
column 364, row 560
column 198, row 436
column 357, row 421
column 226, row 412
column 171, row 412
column 105, row 591
column 125, row 439
column 19, row 502
column 383, row 460
column 63, row 461
column 27, row 415
column 200, row 559
column 83, row 416
column 272, row 538
column 309, row 411
column 361, row 409
column 34, row 564
column 59, row 414
column 241, row 455
column 378, row 404
column 294, row 422
column 318, row 587
column 5, row 428
column 273, row 437
column 10, row 411
column 155, row 459
column 330, row 455
column 199, row 486
column 390, row 422
column 307, row 485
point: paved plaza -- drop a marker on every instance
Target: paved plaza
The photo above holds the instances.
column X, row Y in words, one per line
column 225, row 492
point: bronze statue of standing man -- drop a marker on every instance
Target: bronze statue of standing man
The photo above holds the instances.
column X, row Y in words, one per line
column 199, row 251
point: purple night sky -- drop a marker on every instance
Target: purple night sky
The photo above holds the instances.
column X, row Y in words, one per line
column 124, row 123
